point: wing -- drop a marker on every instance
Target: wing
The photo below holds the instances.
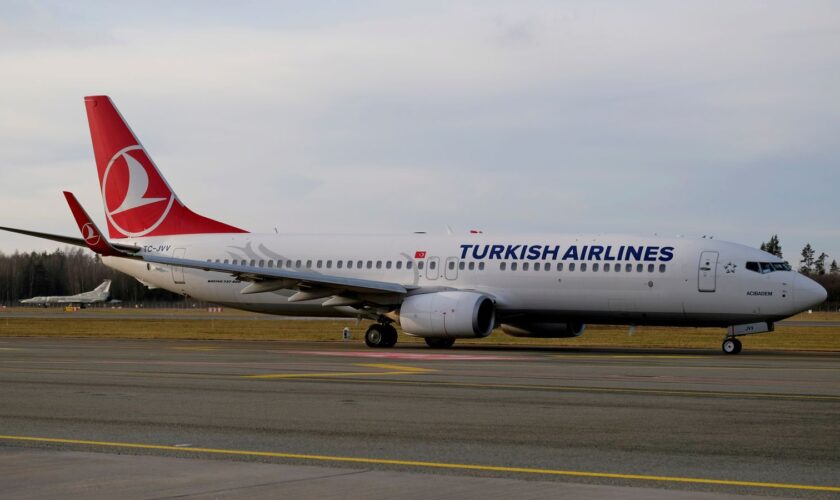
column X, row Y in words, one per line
column 310, row 285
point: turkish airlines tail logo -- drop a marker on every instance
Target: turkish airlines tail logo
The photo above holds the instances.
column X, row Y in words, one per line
column 138, row 200
column 134, row 193
column 138, row 184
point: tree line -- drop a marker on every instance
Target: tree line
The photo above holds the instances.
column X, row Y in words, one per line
column 68, row 272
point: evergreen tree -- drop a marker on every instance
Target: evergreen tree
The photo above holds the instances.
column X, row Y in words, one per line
column 773, row 246
column 819, row 264
column 807, row 261
column 833, row 269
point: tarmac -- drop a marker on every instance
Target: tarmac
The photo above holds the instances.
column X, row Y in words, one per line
column 156, row 419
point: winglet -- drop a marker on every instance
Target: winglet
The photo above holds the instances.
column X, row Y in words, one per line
column 90, row 233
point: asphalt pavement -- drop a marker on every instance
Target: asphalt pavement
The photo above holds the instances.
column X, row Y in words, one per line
column 339, row 420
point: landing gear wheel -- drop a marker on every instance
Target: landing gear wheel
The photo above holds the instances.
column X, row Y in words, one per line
column 390, row 334
column 436, row 343
column 380, row 335
column 731, row 346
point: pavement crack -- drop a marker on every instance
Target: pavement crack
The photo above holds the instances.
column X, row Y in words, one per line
column 271, row 483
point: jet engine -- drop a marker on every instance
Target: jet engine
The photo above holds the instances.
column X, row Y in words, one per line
column 451, row 315
column 543, row 329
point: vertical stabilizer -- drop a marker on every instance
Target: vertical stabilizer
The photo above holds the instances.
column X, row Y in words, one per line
column 138, row 200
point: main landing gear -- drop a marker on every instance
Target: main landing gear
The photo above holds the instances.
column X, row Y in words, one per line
column 381, row 335
column 731, row 346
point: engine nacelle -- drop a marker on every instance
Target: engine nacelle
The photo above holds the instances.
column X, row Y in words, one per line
column 454, row 315
column 544, row 330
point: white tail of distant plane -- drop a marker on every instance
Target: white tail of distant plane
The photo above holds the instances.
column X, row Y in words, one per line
column 97, row 295
column 440, row 288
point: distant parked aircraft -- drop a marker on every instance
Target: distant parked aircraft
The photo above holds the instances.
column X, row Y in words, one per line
column 98, row 294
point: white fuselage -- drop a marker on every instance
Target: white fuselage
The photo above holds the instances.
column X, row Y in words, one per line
column 670, row 281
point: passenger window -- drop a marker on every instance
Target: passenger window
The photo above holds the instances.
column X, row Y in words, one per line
column 329, row 264
column 607, row 268
column 288, row 263
column 536, row 266
column 420, row 265
column 462, row 265
column 432, row 265
column 388, row 265
column 279, row 264
column 297, row 264
column 502, row 266
column 640, row 268
column 513, row 266
column 359, row 264
column 349, row 264
column 410, row 264
column 262, row 263
column 370, row 264
column 628, row 268
column 472, row 266
column 650, row 268
column 319, row 264
column 378, row 264
column 571, row 267
column 399, row 264
column 661, row 268
column 309, row 264
column 559, row 266
column 617, row 268
column 548, row 266
column 217, row 261
column 524, row 266
column 253, row 262
column 583, row 267
column 226, row 261
column 339, row 264
column 481, row 266
column 595, row 267
column 451, row 265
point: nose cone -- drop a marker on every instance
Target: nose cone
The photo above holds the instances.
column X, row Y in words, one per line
column 807, row 293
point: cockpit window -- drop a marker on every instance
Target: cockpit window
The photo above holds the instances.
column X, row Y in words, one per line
column 767, row 267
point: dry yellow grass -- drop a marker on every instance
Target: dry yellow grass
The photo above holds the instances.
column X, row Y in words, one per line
column 255, row 327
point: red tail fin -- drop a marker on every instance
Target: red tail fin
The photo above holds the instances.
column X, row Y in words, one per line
column 138, row 200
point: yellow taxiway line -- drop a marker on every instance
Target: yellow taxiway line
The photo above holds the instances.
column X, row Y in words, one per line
column 392, row 370
column 424, row 464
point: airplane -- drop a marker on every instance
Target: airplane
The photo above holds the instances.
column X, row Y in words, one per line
column 440, row 288
column 98, row 294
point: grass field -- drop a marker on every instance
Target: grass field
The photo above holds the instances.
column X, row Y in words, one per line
column 257, row 327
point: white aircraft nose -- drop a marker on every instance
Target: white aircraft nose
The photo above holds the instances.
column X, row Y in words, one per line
column 807, row 293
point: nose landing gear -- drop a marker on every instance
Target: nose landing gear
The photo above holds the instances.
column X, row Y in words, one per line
column 731, row 345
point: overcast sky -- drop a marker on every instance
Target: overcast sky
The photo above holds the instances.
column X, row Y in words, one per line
column 718, row 118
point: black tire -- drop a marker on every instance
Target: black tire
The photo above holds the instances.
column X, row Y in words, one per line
column 731, row 346
column 376, row 336
column 438, row 343
column 390, row 334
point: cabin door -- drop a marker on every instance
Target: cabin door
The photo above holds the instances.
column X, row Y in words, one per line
column 707, row 272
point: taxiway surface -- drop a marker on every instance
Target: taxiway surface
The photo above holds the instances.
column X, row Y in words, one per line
column 338, row 419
